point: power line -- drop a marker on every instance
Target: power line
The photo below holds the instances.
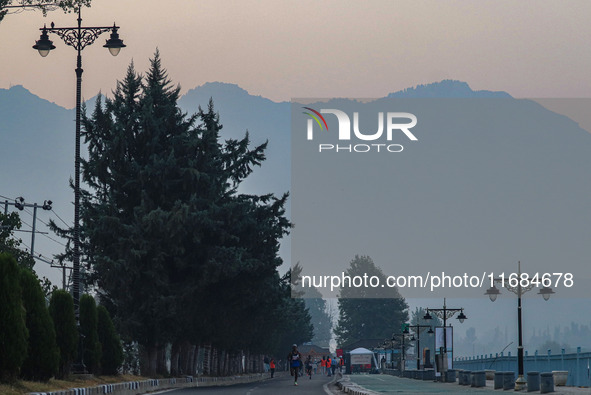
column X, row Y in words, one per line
column 24, row 223
column 43, row 222
column 54, row 240
column 43, row 234
column 60, row 218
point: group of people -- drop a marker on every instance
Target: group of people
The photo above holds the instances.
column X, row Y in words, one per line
column 328, row 365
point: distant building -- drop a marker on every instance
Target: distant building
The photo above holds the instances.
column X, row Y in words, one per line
column 315, row 351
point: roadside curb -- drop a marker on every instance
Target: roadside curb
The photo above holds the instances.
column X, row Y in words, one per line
column 346, row 386
column 152, row 385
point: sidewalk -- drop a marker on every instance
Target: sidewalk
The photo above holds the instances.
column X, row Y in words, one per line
column 154, row 385
column 366, row 384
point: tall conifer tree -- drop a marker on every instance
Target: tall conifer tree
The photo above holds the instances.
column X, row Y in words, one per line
column 175, row 251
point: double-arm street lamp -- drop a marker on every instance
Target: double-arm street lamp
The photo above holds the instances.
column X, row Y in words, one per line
column 402, row 335
column 78, row 37
column 518, row 289
column 417, row 329
column 445, row 313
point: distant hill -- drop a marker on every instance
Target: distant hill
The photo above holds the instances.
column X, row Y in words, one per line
column 445, row 88
column 37, row 140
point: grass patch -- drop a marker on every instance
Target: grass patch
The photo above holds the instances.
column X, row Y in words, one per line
column 24, row 387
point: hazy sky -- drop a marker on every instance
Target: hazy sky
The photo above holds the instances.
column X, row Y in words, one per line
column 284, row 49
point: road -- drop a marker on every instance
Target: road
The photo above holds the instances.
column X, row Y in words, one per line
column 278, row 385
column 385, row 384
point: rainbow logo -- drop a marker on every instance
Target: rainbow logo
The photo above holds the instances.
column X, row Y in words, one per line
column 315, row 114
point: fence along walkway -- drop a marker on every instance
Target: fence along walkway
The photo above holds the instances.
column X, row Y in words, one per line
column 577, row 364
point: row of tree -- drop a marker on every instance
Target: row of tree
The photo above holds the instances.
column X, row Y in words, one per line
column 41, row 341
column 178, row 256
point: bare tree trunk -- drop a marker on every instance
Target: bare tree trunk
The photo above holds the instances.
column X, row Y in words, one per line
column 175, row 359
column 199, row 358
column 207, row 362
column 214, row 362
column 161, row 360
column 190, row 368
column 148, row 360
column 184, row 358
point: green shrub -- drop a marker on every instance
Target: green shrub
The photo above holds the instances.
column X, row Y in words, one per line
column 88, row 329
column 42, row 358
column 112, row 349
column 13, row 330
column 61, row 309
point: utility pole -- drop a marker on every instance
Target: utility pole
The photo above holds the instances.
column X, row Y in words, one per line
column 20, row 204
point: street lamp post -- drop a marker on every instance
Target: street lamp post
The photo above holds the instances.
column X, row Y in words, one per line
column 518, row 290
column 403, row 333
column 78, row 37
column 417, row 329
column 445, row 313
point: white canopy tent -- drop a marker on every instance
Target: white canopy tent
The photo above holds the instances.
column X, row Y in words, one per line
column 363, row 356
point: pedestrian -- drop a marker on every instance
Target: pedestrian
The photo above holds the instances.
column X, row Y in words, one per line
column 341, row 364
column 323, row 365
column 315, row 366
column 328, row 365
column 334, row 365
column 266, row 363
column 272, row 367
column 295, row 362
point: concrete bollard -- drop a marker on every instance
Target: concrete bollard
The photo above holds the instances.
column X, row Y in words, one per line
column 479, row 379
column 533, row 381
column 498, row 380
column 546, row 382
column 461, row 375
column 450, row 376
column 465, row 377
column 429, row 375
column 508, row 380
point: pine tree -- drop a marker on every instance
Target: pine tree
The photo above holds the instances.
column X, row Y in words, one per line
column 42, row 355
column 91, row 347
column 164, row 219
column 13, row 330
column 368, row 313
column 61, row 309
column 112, row 350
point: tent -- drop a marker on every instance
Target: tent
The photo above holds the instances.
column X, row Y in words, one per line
column 363, row 356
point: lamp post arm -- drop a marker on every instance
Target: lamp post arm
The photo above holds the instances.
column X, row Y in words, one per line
column 79, row 38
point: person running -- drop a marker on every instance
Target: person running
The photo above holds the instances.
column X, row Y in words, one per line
column 295, row 362
column 309, row 366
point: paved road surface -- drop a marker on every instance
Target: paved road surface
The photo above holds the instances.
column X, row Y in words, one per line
column 385, row 384
column 276, row 386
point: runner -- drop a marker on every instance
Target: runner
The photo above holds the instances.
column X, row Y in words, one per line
column 309, row 366
column 295, row 362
